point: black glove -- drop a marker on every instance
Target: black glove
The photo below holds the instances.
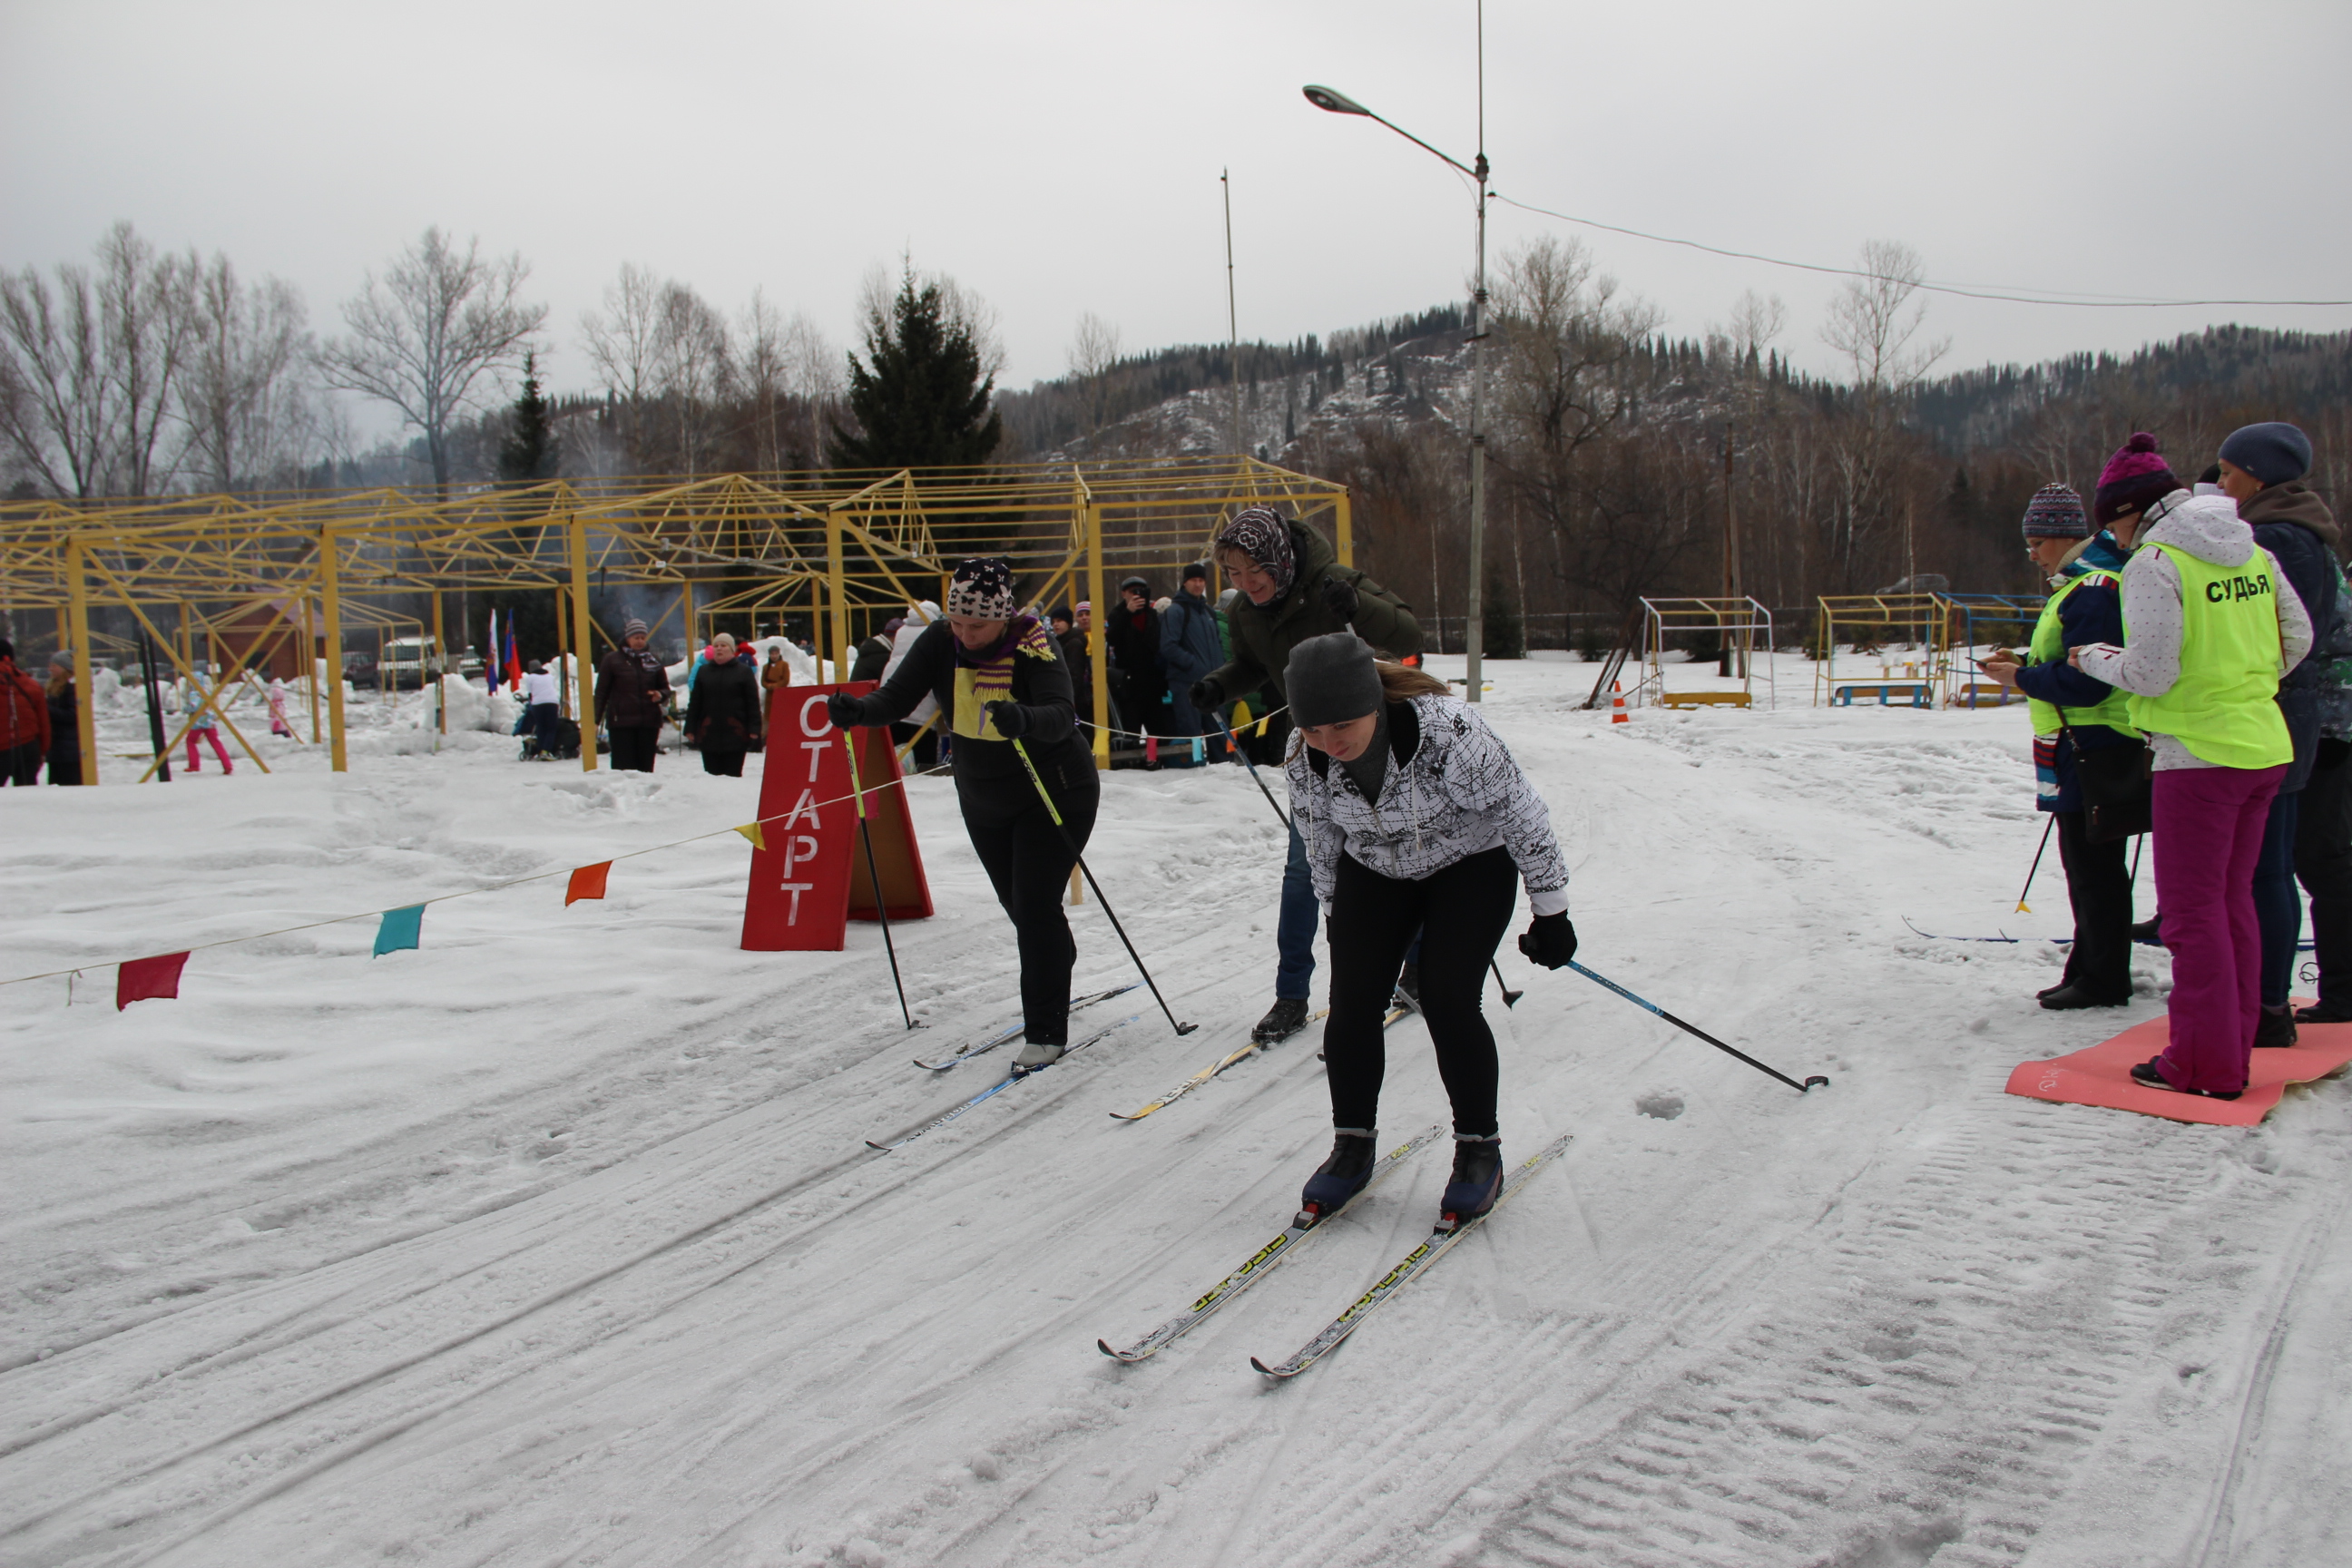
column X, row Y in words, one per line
column 1339, row 597
column 846, row 713
column 1549, row 940
column 1011, row 720
column 1207, row 695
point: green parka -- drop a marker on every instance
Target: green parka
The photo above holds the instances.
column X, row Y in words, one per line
column 1263, row 635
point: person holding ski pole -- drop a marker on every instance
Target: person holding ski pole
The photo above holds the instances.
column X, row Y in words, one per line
column 1416, row 818
column 2210, row 624
column 2074, row 714
column 1293, row 588
column 998, row 677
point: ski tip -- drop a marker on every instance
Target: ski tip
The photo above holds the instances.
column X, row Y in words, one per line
column 1260, row 1366
column 1123, row 1360
column 878, row 1148
column 1817, row 1078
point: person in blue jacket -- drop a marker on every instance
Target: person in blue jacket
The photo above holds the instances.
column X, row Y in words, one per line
column 2071, row 708
column 1189, row 650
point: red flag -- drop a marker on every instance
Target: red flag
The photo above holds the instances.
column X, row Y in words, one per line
column 514, row 659
column 143, row 978
column 587, row 882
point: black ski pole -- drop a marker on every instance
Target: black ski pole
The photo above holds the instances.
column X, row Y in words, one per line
column 154, row 710
column 1511, row 997
column 874, row 876
column 1694, row 1029
column 1062, row 828
column 2046, row 826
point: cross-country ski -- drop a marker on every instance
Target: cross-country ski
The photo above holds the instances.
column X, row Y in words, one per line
column 1012, row 1032
column 900, row 1139
column 1263, row 1261
column 1442, row 1239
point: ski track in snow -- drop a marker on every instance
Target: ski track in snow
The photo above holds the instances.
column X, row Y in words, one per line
column 556, row 1241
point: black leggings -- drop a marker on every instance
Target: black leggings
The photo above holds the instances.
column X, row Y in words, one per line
column 1029, row 864
column 1462, row 912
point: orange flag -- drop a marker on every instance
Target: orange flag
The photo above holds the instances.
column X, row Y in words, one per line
column 587, row 882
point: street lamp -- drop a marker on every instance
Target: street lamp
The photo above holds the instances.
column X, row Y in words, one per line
column 1333, row 101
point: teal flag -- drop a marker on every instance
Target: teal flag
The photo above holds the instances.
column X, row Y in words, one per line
column 400, row 929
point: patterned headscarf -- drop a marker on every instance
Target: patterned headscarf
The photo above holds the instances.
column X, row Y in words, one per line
column 983, row 589
column 1259, row 532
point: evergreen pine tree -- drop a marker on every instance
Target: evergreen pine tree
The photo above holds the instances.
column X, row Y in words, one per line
column 920, row 400
column 1504, row 635
column 532, row 449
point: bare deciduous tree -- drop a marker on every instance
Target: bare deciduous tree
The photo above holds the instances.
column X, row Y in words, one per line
column 1875, row 323
column 1093, row 352
column 624, row 342
column 440, row 320
column 89, row 374
column 250, row 418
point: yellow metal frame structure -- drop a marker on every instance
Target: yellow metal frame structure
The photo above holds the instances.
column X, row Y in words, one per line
column 1740, row 620
column 1921, row 618
column 848, row 549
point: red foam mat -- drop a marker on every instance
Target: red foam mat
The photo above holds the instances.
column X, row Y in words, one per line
column 2101, row 1075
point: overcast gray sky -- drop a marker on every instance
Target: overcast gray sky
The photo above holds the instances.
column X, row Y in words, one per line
column 1060, row 157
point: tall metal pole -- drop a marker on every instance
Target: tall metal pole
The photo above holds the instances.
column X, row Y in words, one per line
column 1232, row 314
column 1475, row 616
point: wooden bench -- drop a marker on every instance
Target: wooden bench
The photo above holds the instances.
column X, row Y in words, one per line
column 1842, row 694
column 1704, row 699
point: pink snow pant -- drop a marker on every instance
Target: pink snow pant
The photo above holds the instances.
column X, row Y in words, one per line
column 2208, row 834
column 218, row 750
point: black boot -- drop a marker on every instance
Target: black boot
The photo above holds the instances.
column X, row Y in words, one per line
column 1477, row 1179
column 2274, row 1026
column 1283, row 1019
column 2072, row 994
column 2145, row 931
column 2148, row 1075
column 1341, row 1176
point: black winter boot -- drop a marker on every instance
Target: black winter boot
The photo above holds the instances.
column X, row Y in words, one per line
column 1343, row 1175
column 1283, row 1019
column 2274, row 1026
column 1477, row 1179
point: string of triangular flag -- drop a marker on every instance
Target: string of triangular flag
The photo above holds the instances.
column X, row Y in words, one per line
column 158, row 978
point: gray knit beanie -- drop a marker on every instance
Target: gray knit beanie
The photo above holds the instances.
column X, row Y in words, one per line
column 1332, row 679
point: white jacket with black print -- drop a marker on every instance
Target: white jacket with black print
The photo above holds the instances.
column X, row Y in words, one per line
column 1455, row 791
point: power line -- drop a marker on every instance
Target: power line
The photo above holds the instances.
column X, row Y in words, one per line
column 1979, row 291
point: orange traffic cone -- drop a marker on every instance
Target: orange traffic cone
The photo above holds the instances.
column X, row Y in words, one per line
column 1617, row 715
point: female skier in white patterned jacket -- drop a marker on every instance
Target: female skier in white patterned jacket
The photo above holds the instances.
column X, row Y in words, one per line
column 1416, row 819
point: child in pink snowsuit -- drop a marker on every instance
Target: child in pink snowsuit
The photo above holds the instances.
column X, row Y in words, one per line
column 204, row 723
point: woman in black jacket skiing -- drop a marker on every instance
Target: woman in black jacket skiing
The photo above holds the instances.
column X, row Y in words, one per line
column 998, row 677
column 1416, row 818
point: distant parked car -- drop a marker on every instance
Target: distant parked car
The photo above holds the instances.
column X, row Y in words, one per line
column 407, row 661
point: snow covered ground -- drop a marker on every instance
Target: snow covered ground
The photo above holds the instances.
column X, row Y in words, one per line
column 555, row 1241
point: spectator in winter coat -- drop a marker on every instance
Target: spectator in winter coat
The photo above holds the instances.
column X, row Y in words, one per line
column 1189, row 650
column 1416, row 819
column 2212, row 628
column 25, row 727
column 776, row 674
column 874, row 653
column 2261, row 469
column 1293, row 588
column 1132, row 635
column 2071, row 709
column 1072, row 641
column 1001, row 680
column 920, row 619
column 632, row 684
column 722, row 716
column 65, row 720
column 542, row 710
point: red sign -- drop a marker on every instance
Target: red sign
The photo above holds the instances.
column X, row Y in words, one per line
column 812, row 876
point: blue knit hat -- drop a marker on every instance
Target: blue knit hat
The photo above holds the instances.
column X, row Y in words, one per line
column 2057, row 512
column 2274, row 452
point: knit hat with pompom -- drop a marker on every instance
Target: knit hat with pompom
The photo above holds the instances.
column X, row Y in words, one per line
column 2135, row 478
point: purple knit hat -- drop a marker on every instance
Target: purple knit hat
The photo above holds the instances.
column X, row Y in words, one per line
column 2055, row 513
column 2135, row 476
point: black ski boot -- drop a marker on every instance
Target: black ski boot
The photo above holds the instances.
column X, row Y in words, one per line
column 2148, row 1075
column 2147, row 931
column 1477, row 1179
column 1341, row 1176
column 1283, row 1019
column 2072, row 995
